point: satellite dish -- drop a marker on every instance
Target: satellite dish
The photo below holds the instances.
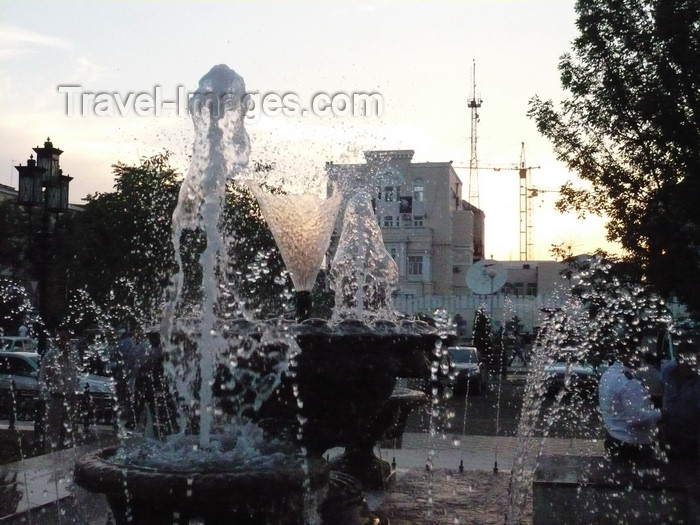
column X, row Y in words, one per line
column 486, row 277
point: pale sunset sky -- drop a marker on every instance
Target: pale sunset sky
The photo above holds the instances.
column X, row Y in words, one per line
column 417, row 56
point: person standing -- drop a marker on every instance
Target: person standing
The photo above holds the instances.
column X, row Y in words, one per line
column 152, row 394
column 59, row 379
column 629, row 416
column 680, row 425
column 126, row 361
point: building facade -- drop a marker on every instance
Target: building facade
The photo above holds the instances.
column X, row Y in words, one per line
column 433, row 235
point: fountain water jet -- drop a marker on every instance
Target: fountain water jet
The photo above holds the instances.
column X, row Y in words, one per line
column 364, row 275
column 198, row 479
column 581, row 486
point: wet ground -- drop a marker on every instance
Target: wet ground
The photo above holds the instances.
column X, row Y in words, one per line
column 17, row 444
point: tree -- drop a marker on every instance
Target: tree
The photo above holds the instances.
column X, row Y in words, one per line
column 482, row 336
column 630, row 127
column 256, row 268
column 15, row 307
column 618, row 307
column 15, row 235
column 31, row 241
column 118, row 252
column 118, row 249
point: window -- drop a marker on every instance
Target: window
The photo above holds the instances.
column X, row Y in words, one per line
column 388, row 221
column 388, row 194
column 406, row 205
column 415, row 265
column 418, row 191
column 417, row 221
column 16, row 366
column 531, row 289
column 393, row 252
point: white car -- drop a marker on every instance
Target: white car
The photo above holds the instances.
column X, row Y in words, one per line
column 11, row 343
column 466, row 370
column 19, row 388
column 571, row 372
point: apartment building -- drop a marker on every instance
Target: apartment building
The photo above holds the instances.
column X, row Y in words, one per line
column 433, row 235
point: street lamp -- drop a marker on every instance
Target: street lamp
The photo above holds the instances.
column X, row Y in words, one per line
column 42, row 184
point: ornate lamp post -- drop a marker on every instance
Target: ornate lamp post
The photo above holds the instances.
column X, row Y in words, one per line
column 42, row 184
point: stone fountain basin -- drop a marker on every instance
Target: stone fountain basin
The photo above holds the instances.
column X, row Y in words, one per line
column 582, row 489
column 274, row 492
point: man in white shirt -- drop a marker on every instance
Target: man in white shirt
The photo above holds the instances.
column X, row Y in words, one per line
column 628, row 414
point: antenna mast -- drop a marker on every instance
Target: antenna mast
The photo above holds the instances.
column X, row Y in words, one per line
column 474, row 105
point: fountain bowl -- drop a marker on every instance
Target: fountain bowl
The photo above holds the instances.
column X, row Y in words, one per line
column 277, row 492
column 346, row 382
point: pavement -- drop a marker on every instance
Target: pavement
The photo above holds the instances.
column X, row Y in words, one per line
column 429, row 487
column 40, row 490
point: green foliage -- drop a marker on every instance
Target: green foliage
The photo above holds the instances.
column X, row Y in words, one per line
column 15, row 235
column 111, row 263
column 121, row 241
column 31, row 243
column 120, row 255
column 24, row 241
column 256, row 269
column 84, row 314
column 630, row 127
column 615, row 308
column 481, row 334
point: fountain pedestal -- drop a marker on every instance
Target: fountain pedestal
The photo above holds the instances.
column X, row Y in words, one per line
column 346, row 397
column 359, row 459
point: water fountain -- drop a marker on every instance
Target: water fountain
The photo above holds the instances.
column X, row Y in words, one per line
column 262, row 402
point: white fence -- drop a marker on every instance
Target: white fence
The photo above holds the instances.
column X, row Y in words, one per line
column 501, row 307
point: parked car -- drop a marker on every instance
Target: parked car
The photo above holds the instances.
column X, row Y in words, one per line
column 466, row 370
column 20, row 392
column 570, row 371
column 13, row 343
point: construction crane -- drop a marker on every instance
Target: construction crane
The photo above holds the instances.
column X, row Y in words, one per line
column 535, row 192
column 526, row 240
column 525, row 211
column 526, row 192
column 525, row 207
